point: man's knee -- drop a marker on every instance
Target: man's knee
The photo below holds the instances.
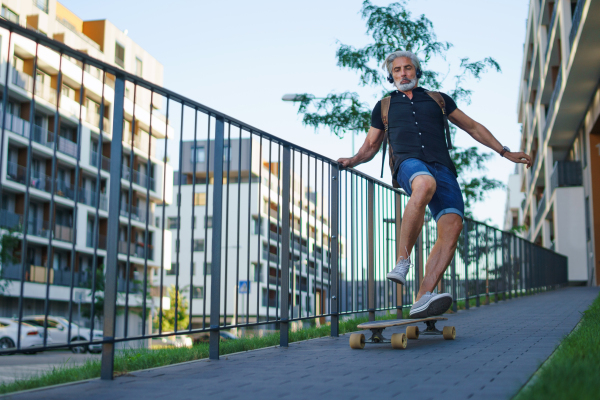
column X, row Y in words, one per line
column 450, row 226
column 423, row 188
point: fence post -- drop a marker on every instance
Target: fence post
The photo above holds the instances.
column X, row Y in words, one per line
column 477, row 304
column 398, row 226
column 495, row 266
column 110, row 286
column 285, row 248
column 334, row 249
column 511, row 261
column 215, row 268
column 454, row 288
column 371, row 250
column 466, row 259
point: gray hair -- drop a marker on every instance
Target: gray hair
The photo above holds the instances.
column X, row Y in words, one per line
column 387, row 64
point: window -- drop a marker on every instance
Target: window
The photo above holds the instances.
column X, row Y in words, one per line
column 173, row 270
column 198, row 244
column 138, row 66
column 198, row 292
column 207, row 268
column 256, row 272
column 42, row 5
column 226, row 151
column 119, row 55
column 256, row 226
column 198, row 154
column 208, row 221
column 200, row 199
column 9, row 15
column 172, row 223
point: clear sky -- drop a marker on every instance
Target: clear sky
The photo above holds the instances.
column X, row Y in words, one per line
column 240, row 57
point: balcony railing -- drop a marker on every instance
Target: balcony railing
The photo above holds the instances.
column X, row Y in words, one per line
column 576, row 21
column 540, row 210
column 552, row 104
column 101, row 241
column 137, row 214
column 94, row 161
column 565, row 174
column 270, row 256
column 549, row 36
column 88, row 197
column 136, row 250
column 94, row 119
column 137, row 177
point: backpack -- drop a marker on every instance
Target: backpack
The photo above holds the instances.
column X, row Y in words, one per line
column 385, row 108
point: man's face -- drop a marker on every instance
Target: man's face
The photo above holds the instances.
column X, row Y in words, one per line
column 403, row 71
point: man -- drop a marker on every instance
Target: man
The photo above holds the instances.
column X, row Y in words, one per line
column 422, row 166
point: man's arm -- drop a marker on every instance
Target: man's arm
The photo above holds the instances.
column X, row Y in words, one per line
column 485, row 137
column 367, row 151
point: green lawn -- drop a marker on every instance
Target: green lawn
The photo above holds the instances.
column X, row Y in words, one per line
column 573, row 372
column 137, row 359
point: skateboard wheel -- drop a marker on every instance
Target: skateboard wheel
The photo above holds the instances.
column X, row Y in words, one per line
column 412, row 332
column 399, row 341
column 357, row 341
column 449, row 333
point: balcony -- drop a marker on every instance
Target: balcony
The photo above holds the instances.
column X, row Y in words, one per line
column 94, row 119
column 566, row 174
column 105, row 161
column 274, row 236
column 46, row 92
column 39, row 274
column 550, row 27
column 137, row 214
column 89, row 198
column 576, row 21
column 540, row 210
column 270, row 256
column 101, row 241
column 133, row 286
column 137, row 177
column 273, row 280
column 38, row 228
column 136, row 250
column 63, row 233
column 11, row 220
column 22, row 80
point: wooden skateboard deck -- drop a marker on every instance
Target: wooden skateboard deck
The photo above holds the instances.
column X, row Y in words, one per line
column 399, row 340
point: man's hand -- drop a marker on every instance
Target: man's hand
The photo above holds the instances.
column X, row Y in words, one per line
column 346, row 162
column 519, row 158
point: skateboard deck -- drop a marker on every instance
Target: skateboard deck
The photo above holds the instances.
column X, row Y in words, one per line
column 400, row 340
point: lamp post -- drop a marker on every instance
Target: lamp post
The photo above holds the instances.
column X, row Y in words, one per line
column 293, row 97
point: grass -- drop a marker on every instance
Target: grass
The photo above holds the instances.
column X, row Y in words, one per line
column 127, row 361
column 573, row 371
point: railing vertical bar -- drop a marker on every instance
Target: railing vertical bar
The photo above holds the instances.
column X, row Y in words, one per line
column 195, row 165
column 334, row 248
column 285, row 259
column 239, row 202
column 26, row 214
column 4, row 108
column 477, row 266
column 301, row 227
column 207, row 204
column 164, row 208
column 259, row 222
column 398, row 252
column 110, row 292
column 371, row 250
column 179, row 196
column 279, row 232
column 322, row 298
column 215, row 279
column 227, row 156
column 147, row 233
column 268, row 269
column 466, row 260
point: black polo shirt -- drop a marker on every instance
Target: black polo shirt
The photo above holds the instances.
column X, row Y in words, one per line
column 416, row 128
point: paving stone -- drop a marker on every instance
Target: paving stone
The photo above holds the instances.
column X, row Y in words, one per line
column 497, row 349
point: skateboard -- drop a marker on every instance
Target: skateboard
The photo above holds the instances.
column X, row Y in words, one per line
column 400, row 340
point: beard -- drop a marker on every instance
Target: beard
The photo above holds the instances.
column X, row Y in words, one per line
column 403, row 87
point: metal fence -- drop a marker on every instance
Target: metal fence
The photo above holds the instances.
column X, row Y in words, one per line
column 250, row 232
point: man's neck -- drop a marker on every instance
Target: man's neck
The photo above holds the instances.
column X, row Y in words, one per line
column 408, row 93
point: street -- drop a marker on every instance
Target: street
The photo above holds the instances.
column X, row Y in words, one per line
column 21, row 366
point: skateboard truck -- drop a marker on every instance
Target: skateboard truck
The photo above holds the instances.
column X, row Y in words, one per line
column 377, row 336
column 431, row 329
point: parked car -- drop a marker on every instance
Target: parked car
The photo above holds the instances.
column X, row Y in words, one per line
column 172, row 341
column 30, row 335
column 58, row 327
column 204, row 337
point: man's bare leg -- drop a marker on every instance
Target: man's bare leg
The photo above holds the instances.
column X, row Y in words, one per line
column 423, row 188
column 449, row 228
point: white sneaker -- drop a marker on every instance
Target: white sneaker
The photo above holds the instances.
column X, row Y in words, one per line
column 398, row 274
column 430, row 305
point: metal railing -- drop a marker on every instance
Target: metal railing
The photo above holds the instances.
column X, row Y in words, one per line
column 352, row 215
column 576, row 21
column 552, row 105
column 541, row 210
column 565, row 174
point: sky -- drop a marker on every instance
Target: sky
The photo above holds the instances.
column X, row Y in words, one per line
column 240, row 57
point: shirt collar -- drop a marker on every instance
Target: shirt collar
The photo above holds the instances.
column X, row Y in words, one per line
column 418, row 89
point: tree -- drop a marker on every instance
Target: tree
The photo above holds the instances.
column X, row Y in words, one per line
column 393, row 28
column 168, row 316
column 8, row 243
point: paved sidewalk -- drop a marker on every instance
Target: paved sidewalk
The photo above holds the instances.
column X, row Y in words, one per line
column 497, row 348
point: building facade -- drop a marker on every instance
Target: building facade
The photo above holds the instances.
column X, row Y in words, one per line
column 558, row 107
column 251, row 236
column 63, row 136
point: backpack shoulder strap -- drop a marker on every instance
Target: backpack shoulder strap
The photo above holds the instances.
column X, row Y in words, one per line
column 385, row 109
column 437, row 97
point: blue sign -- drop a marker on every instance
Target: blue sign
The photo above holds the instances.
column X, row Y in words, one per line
column 244, row 287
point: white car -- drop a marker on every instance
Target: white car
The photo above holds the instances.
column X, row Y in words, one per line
column 30, row 335
column 58, row 328
column 173, row 341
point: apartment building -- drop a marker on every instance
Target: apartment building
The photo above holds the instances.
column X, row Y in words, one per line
column 66, row 227
column 251, row 235
column 558, row 107
column 513, row 213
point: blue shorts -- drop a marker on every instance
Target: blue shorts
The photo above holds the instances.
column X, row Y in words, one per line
column 447, row 198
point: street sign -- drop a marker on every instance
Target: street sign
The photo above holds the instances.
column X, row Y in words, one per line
column 244, row 287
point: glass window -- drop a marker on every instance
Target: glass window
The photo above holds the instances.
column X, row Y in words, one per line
column 200, row 199
column 199, row 154
column 138, row 66
column 42, row 5
column 173, row 270
column 119, row 55
column 9, row 15
column 198, row 244
column 207, row 268
column 198, row 292
column 208, row 221
column 172, row 223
